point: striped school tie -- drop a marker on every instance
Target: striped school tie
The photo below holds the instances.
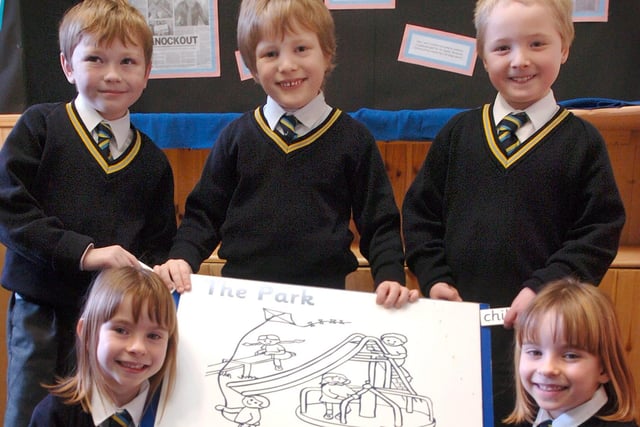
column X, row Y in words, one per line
column 105, row 134
column 287, row 128
column 119, row 419
column 507, row 131
column 546, row 423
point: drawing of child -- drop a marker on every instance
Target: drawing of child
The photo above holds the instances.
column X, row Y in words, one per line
column 396, row 350
column 271, row 345
column 247, row 415
column 334, row 388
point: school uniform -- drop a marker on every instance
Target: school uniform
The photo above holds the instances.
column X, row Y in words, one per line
column 491, row 224
column 584, row 415
column 281, row 210
column 53, row 412
column 60, row 195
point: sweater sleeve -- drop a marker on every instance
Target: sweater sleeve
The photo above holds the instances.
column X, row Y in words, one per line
column 24, row 226
column 52, row 412
column 376, row 215
column 592, row 240
column 423, row 216
column 160, row 228
column 206, row 206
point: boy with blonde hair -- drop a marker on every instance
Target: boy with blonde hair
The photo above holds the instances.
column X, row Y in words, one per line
column 519, row 192
column 80, row 190
column 282, row 181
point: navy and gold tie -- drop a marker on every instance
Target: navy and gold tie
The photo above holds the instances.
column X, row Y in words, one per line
column 105, row 134
column 119, row 419
column 287, row 127
column 546, row 423
column 507, row 131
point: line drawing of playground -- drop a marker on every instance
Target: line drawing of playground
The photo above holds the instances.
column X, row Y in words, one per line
column 356, row 380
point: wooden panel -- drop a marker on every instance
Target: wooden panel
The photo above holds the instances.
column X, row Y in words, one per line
column 417, row 153
column 395, row 161
column 6, row 124
column 622, row 287
column 608, row 283
column 612, row 118
column 623, row 152
column 626, row 302
column 187, row 166
column 632, row 226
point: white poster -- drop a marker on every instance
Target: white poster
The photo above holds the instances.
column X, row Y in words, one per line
column 185, row 37
column 256, row 353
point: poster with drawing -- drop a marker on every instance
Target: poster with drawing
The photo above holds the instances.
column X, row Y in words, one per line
column 272, row 355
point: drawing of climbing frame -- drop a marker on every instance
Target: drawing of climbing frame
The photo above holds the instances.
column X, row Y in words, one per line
column 271, row 355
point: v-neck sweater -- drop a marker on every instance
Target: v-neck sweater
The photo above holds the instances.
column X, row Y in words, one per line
column 281, row 212
column 491, row 226
column 58, row 195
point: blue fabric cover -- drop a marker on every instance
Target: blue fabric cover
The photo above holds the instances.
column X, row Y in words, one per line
column 200, row 130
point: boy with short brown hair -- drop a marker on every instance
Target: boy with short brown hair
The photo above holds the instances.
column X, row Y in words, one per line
column 80, row 190
column 282, row 181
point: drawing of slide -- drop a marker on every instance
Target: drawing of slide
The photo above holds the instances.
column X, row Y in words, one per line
column 313, row 368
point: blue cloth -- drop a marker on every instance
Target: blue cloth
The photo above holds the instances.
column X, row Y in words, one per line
column 591, row 103
column 200, row 130
column 411, row 125
column 183, row 130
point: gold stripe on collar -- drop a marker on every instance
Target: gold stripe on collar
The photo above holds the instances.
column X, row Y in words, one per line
column 487, row 123
column 90, row 144
column 304, row 141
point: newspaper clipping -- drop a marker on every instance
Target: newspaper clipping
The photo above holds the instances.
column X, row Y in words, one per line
column 185, row 37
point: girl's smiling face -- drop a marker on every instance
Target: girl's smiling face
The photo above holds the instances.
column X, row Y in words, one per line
column 130, row 352
column 559, row 377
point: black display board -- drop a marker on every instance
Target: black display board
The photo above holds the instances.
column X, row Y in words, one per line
column 604, row 62
column 12, row 85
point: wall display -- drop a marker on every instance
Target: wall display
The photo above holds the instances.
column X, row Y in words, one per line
column 12, row 84
column 590, row 10
column 360, row 4
column 257, row 353
column 185, row 37
column 437, row 49
column 368, row 71
column 243, row 71
column 1, row 13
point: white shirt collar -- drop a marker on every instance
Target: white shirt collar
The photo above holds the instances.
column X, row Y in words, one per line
column 539, row 113
column 102, row 407
column 578, row 415
column 309, row 116
column 121, row 127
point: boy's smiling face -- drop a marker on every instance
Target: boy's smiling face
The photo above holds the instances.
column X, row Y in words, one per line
column 291, row 69
column 523, row 52
column 109, row 78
